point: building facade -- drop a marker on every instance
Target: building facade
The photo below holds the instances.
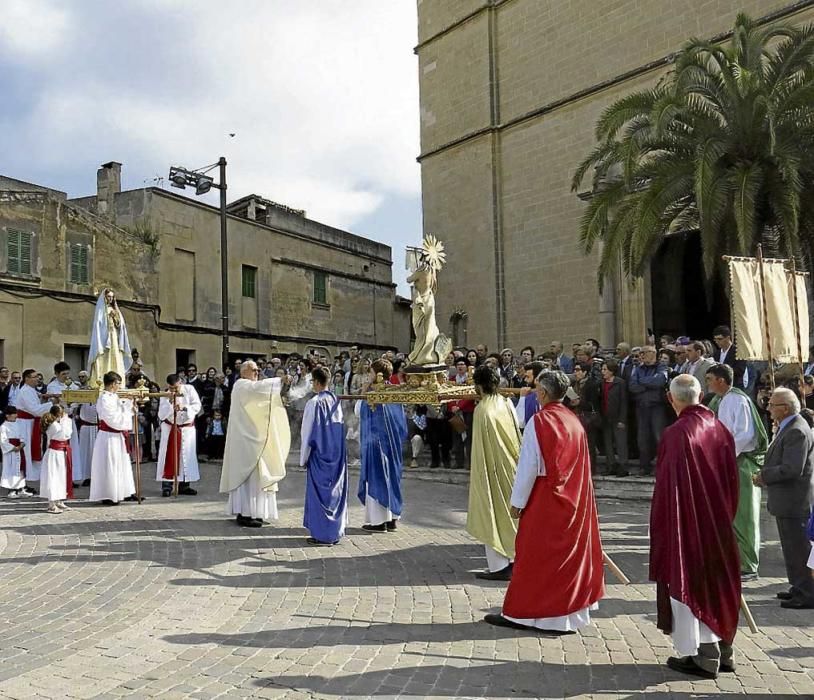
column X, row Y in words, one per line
column 294, row 284
column 510, row 93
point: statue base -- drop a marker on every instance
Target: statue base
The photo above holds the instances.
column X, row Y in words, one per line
column 425, row 384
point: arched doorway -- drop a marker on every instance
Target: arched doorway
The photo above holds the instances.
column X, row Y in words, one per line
column 678, row 294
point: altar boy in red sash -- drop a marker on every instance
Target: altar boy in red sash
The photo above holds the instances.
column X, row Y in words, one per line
column 558, row 576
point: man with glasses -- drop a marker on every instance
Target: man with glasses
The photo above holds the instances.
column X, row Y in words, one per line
column 788, row 476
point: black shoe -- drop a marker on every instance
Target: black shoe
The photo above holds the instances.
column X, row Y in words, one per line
column 30, row 491
column 165, row 493
column 785, row 595
column 749, row 576
column 391, row 526
column 500, row 621
column 797, row 605
column 685, row 664
column 108, row 502
column 245, row 521
column 133, row 497
column 621, row 473
column 726, row 668
column 86, row 482
column 255, row 522
column 434, row 466
column 187, row 492
column 505, row 574
column 314, row 542
column 375, row 528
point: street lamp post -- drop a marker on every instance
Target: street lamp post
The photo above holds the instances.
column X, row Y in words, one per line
column 181, row 177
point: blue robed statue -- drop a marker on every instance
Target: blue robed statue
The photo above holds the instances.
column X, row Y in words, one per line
column 383, row 431
column 323, row 455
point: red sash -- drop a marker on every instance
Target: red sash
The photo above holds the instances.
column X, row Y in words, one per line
column 16, row 442
column 172, row 458
column 36, row 435
column 105, row 428
column 65, row 446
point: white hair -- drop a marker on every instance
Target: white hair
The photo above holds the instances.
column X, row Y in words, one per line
column 789, row 397
column 686, row 389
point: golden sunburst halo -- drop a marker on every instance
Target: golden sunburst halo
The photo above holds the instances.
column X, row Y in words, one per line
column 433, row 252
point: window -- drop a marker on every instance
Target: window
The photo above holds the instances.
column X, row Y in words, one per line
column 78, row 273
column 249, row 281
column 76, row 356
column 320, row 288
column 19, row 252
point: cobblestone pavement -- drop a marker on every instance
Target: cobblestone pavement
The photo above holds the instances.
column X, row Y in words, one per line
column 170, row 599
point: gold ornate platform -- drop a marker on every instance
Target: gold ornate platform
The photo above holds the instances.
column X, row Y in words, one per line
column 422, row 387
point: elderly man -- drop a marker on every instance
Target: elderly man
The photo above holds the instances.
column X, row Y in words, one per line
column 737, row 412
column 693, row 553
column 557, row 577
column 565, row 363
column 257, row 444
column 788, row 475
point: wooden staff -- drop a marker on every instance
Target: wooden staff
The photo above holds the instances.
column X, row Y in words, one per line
column 137, row 448
column 615, row 570
column 747, row 613
column 176, row 449
column 765, row 314
column 797, row 325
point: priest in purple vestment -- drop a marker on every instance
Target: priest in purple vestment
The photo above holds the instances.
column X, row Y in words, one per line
column 323, row 455
column 694, row 556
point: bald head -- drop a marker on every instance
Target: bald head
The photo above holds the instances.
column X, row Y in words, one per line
column 248, row 369
column 685, row 391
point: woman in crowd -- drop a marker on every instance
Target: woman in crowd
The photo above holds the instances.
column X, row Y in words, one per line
column 472, row 358
column 587, row 406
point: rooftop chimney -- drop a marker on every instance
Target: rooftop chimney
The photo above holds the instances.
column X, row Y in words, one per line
column 108, row 185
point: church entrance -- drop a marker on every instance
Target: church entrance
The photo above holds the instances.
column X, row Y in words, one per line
column 679, row 298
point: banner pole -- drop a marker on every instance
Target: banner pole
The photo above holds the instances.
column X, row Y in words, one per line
column 765, row 314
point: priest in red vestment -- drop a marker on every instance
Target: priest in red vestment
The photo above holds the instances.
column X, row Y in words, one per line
column 558, row 576
column 694, row 556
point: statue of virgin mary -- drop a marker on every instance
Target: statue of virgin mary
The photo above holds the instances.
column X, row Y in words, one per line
column 109, row 344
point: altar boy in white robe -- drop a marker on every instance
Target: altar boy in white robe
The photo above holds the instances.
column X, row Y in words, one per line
column 257, row 445
column 61, row 381
column 111, row 476
column 178, row 438
column 30, row 408
column 11, row 446
column 87, row 426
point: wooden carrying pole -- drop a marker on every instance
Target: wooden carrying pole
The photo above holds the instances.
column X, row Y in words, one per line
column 765, row 314
column 795, row 303
column 137, row 448
column 615, row 570
column 747, row 613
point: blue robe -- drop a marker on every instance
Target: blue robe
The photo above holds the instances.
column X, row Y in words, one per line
column 532, row 405
column 326, row 484
column 383, row 430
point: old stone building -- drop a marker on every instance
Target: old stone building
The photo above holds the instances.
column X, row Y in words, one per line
column 510, row 93
column 294, row 284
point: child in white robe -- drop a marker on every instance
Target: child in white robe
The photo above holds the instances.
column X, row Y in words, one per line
column 11, row 447
column 55, row 462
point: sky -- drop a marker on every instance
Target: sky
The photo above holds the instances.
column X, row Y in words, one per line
column 321, row 96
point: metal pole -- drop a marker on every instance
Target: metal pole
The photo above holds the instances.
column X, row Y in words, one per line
column 765, row 314
column 224, row 266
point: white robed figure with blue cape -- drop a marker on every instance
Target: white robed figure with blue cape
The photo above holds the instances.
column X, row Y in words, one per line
column 109, row 345
column 382, row 433
column 323, row 454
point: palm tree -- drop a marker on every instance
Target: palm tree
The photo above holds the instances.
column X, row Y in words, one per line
column 723, row 144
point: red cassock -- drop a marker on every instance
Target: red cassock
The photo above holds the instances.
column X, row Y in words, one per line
column 693, row 552
column 558, row 561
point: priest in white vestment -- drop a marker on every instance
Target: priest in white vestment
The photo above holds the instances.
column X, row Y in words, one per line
column 178, row 449
column 61, row 381
column 257, row 444
column 111, row 475
column 30, row 408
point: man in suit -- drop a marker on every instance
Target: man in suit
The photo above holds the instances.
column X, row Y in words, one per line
column 788, row 476
column 614, row 410
column 8, row 394
column 697, row 364
column 725, row 354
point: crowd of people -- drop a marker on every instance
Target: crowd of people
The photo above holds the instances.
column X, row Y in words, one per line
column 531, row 432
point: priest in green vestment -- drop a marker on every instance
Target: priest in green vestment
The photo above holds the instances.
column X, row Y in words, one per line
column 739, row 414
column 495, row 451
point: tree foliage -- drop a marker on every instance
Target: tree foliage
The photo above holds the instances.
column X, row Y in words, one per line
column 723, row 144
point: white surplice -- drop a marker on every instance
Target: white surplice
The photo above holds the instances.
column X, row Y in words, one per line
column 688, row 631
column 30, row 401
column 53, row 477
column 189, row 405
column 12, row 477
column 531, row 465
column 735, row 413
column 111, row 475
column 87, row 437
column 57, row 387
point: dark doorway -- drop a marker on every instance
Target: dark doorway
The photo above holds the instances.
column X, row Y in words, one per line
column 679, row 296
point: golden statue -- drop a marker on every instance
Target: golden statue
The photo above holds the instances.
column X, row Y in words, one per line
column 109, row 344
column 431, row 346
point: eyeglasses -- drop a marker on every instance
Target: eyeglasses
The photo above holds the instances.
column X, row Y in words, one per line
column 775, row 405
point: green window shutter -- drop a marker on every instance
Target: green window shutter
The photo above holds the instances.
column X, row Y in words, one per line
column 79, row 264
column 320, row 288
column 19, row 252
column 249, row 282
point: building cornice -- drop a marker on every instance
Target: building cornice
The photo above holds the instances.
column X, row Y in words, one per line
column 332, row 272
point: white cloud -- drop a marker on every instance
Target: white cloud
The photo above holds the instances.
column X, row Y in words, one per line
column 322, row 96
column 32, row 29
